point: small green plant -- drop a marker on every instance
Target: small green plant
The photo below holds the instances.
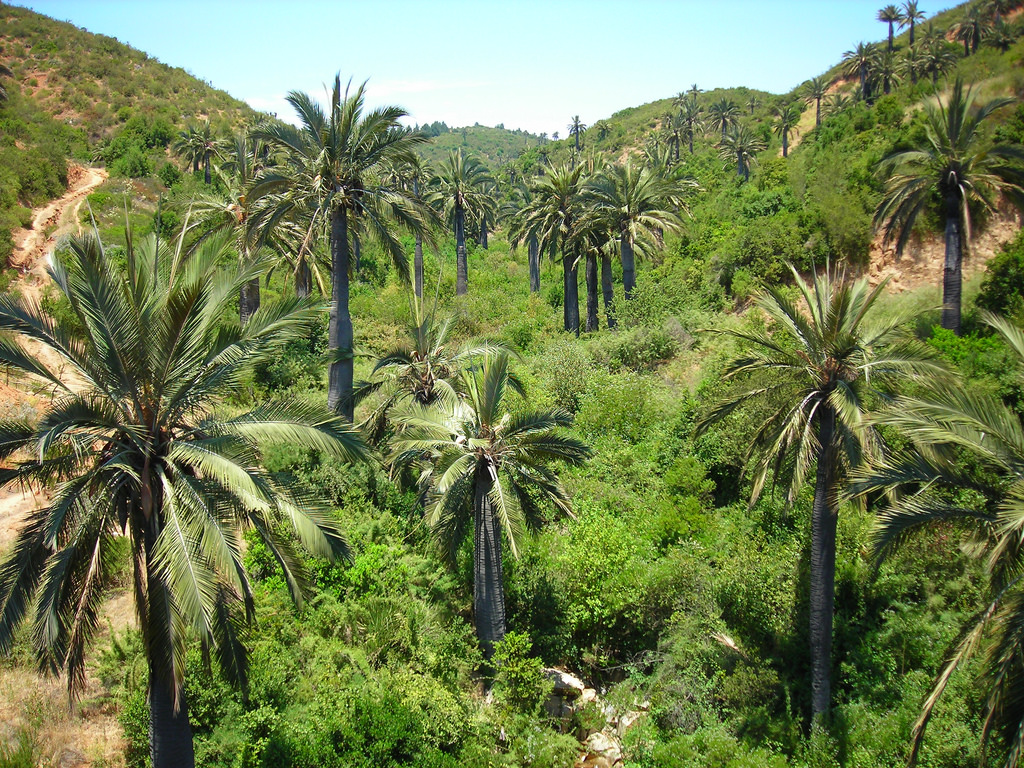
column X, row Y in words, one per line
column 519, row 680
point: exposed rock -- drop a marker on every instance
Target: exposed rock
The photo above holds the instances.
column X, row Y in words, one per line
column 627, row 720
column 71, row 758
column 589, row 694
column 566, row 685
column 594, row 762
column 601, row 744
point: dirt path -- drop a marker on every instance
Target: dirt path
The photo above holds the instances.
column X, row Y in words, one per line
column 32, row 246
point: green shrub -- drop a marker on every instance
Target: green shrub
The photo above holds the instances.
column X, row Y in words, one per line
column 519, row 680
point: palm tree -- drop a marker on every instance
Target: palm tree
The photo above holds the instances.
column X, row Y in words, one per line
column 411, row 176
column 741, row 145
column 945, row 426
column 823, row 357
column 957, row 167
column 636, row 201
column 857, row 63
column 4, row 72
column 337, row 165
column 458, row 189
column 936, row 59
column 724, row 113
column 815, row 91
column 521, row 230
column 236, row 211
column 424, row 368
column 1001, row 36
column 753, row 103
column 786, row 119
column 911, row 15
column 139, row 447
column 970, row 30
column 551, row 216
column 488, row 474
column 576, row 129
column 198, row 146
column 891, row 15
column 690, row 113
column 912, row 64
column 836, row 103
column 677, row 125
column 884, row 69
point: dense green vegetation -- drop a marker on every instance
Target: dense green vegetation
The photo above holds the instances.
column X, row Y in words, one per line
column 630, row 501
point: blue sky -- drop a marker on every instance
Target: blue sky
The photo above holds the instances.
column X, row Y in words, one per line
column 525, row 64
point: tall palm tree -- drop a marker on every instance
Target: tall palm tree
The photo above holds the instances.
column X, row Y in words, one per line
column 945, row 426
column 522, row 229
column 885, row 69
column 139, row 446
column 936, row 59
column 857, row 63
column 336, row 165
column 199, row 146
column 815, row 90
column 576, row 129
column 823, row 356
column 786, row 120
column 690, row 113
column 724, row 113
column 411, row 176
column 912, row 64
column 457, row 190
column 891, row 15
column 741, row 146
column 971, row 29
column 556, row 204
column 753, row 103
column 958, row 168
column 1001, row 36
column 636, row 201
column 487, row 474
column 911, row 15
column 236, row 211
column 836, row 103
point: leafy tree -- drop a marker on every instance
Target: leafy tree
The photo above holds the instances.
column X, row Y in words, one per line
column 936, row 59
column 724, row 113
column 911, row 15
column 946, row 426
column 636, row 201
column 488, row 473
column 890, row 15
column 199, row 146
column 551, row 216
column 857, row 63
column 336, row 163
column 912, row 64
column 741, row 145
column 457, row 190
column 957, row 169
column 815, row 91
column 823, row 358
column 138, row 446
column 786, row 119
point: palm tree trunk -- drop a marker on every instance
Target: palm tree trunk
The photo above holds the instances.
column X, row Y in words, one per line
column 890, row 37
column 952, row 278
column 303, row 279
column 248, row 300
column 967, row 48
column 170, row 733
column 417, row 261
column 206, row 170
column 628, row 267
column 533, row 254
column 817, row 113
column 483, row 232
column 823, row 565
column 785, row 143
column 911, row 33
column 488, row 587
column 461, row 270
column 591, row 277
column 606, row 289
column 690, row 136
column 339, row 383
column 570, row 279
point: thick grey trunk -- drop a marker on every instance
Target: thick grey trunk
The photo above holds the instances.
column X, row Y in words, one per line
column 628, row 267
column 591, row 277
column 461, row 267
column 823, row 565
column 890, row 37
column 170, row 732
column 785, row 143
column 606, row 289
column 817, row 113
column 339, row 384
column 206, row 171
column 533, row 254
column 248, row 300
column 570, row 277
column 483, row 233
column 303, row 280
column 952, row 277
column 488, row 587
column 357, row 253
column 418, row 265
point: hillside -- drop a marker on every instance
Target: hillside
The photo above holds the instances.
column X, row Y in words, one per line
column 658, row 598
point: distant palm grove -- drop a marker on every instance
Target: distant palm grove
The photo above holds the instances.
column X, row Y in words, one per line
column 694, row 438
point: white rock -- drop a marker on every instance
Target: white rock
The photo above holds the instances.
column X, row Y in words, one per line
column 589, row 694
column 565, row 683
column 603, row 745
